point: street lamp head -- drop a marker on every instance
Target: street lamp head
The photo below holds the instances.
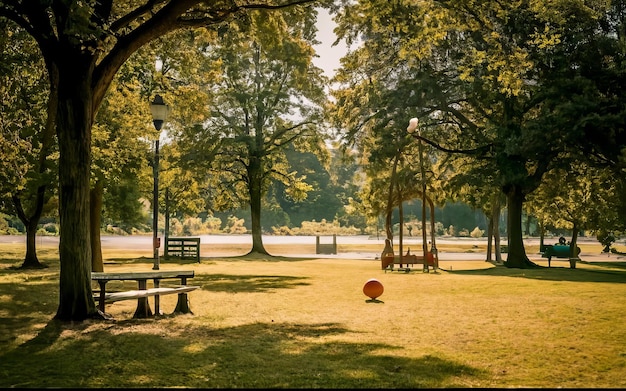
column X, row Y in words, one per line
column 159, row 111
column 413, row 122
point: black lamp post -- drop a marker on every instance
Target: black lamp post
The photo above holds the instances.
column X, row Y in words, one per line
column 413, row 125
column 159, row 114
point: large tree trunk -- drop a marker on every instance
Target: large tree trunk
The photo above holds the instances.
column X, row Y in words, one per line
column 255, row 188
column 31, row 260
column 95, row 219
column 74, row 121
column 517, row 257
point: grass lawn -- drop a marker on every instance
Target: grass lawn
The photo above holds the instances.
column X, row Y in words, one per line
column 305, row 323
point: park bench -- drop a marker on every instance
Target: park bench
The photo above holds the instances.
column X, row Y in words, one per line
column 326, row 248
column 184, row 248
column 560, row 251
column 143, row 292
column 389, row 261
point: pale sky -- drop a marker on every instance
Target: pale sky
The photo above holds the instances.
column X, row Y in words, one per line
column 329, row 55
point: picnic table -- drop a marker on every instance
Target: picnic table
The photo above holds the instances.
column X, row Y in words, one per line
column 143, row 292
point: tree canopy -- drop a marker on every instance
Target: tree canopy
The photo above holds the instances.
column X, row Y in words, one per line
column 513, row 85
column 84, row 44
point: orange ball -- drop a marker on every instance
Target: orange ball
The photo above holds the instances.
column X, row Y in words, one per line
column 373, row 288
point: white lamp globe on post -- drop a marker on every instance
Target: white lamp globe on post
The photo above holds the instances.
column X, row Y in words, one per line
column 413, row 123
column 159, row 114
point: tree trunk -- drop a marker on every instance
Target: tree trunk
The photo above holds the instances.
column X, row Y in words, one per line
column 493, row 230
column 401, row 222
column 495, row 215
column 573, row 251
column 95, row 219
column 255, row 188
column 389, row 206
column 31, row 223
column 517, row 254
column 542, row 234
column 490, row 238
column 74, row 121
column 166, row 232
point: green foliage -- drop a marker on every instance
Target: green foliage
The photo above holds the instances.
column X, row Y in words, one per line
column 27, row 150
column 235, row 225
column 508, row 84
column 577, row 195
column 325, row 197
column 606, row 238
column 266, row 96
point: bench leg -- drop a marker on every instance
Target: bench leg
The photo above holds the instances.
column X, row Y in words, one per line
column 102, row 295
column 143, row 307
column 157, row 299
column 182, row 306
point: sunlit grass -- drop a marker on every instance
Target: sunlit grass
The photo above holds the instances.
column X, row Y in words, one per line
column 304, row 323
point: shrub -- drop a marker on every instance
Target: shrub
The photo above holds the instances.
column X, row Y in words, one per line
column 477, row 233
column 235, row 225
column 285, row 231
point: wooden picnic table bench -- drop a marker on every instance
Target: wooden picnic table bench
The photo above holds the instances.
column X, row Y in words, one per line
column 143, row 292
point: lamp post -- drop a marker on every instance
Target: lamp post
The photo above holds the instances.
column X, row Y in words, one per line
column 413, row 125
column 159, row 114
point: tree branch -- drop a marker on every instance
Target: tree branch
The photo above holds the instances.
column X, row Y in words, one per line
column 482, row 150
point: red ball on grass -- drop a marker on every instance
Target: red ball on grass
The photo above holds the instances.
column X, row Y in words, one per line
column 373, row 288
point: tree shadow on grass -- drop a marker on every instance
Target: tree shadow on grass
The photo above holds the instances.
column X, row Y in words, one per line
column 552, row 273
column 246, row 283
column 260, row 355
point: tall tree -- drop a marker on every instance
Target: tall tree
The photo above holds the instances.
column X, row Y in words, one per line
column 84, row 43
column 576, row 197
column 499, row 81
column 269, row 97
column 27, row 129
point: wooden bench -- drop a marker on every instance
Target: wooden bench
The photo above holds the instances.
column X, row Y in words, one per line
column 143, row 292
column 390, row 261
column 326, row 248
column 184, row 248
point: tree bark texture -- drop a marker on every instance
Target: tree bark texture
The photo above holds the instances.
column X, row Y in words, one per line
column 255, row 176
column 95, row 219
column 495, row 221
column 74, row 121
column 31, row 222
column 517, row 257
